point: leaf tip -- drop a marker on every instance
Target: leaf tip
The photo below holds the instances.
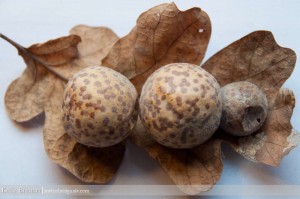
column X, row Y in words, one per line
column 266, row 32
column 173, row 4
column 76, row 38
column 288, row 96
column 292, row 54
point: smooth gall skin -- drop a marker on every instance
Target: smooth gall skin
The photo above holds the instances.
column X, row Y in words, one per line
column 245, row 108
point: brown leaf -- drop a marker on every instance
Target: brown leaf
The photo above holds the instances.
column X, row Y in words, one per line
column 162, row 35
column 97, row 165
column 257, row 58
column 25, row 98
column 41, row 87
column 275, row 139
column 56, row 52
column 192, row 170
column 96, row 43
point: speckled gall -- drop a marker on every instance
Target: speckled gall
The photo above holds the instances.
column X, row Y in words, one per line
column 180, row 105
column 99, row 107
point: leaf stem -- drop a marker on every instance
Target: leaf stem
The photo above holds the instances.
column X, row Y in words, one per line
column 35, row 58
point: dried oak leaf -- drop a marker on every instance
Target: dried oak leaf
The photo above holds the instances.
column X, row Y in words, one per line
column 192, row 170
column 97, row 165
column 26, row 96
column 275, row 139
column 40, row 88
column 163, row 35
column 95, row 43
column 257, row 58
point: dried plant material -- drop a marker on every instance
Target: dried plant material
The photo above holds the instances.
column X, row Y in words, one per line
column 25, row 98
column 244, row 108
column 97, row 165
column 94, row 46
column 162, row 35
column 55, row 52
column 257, row 58
column 40, row 88
column 275, row 139
column 192, row 170
column 180, row 105
column 89, row 164
column 96, row 43
column 99, row 107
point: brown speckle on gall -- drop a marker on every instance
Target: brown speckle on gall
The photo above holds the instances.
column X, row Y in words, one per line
column 175, row 113
column 94, row 113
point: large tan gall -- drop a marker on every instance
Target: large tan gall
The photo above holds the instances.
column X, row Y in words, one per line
column 180, row 105
column 99, row 107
